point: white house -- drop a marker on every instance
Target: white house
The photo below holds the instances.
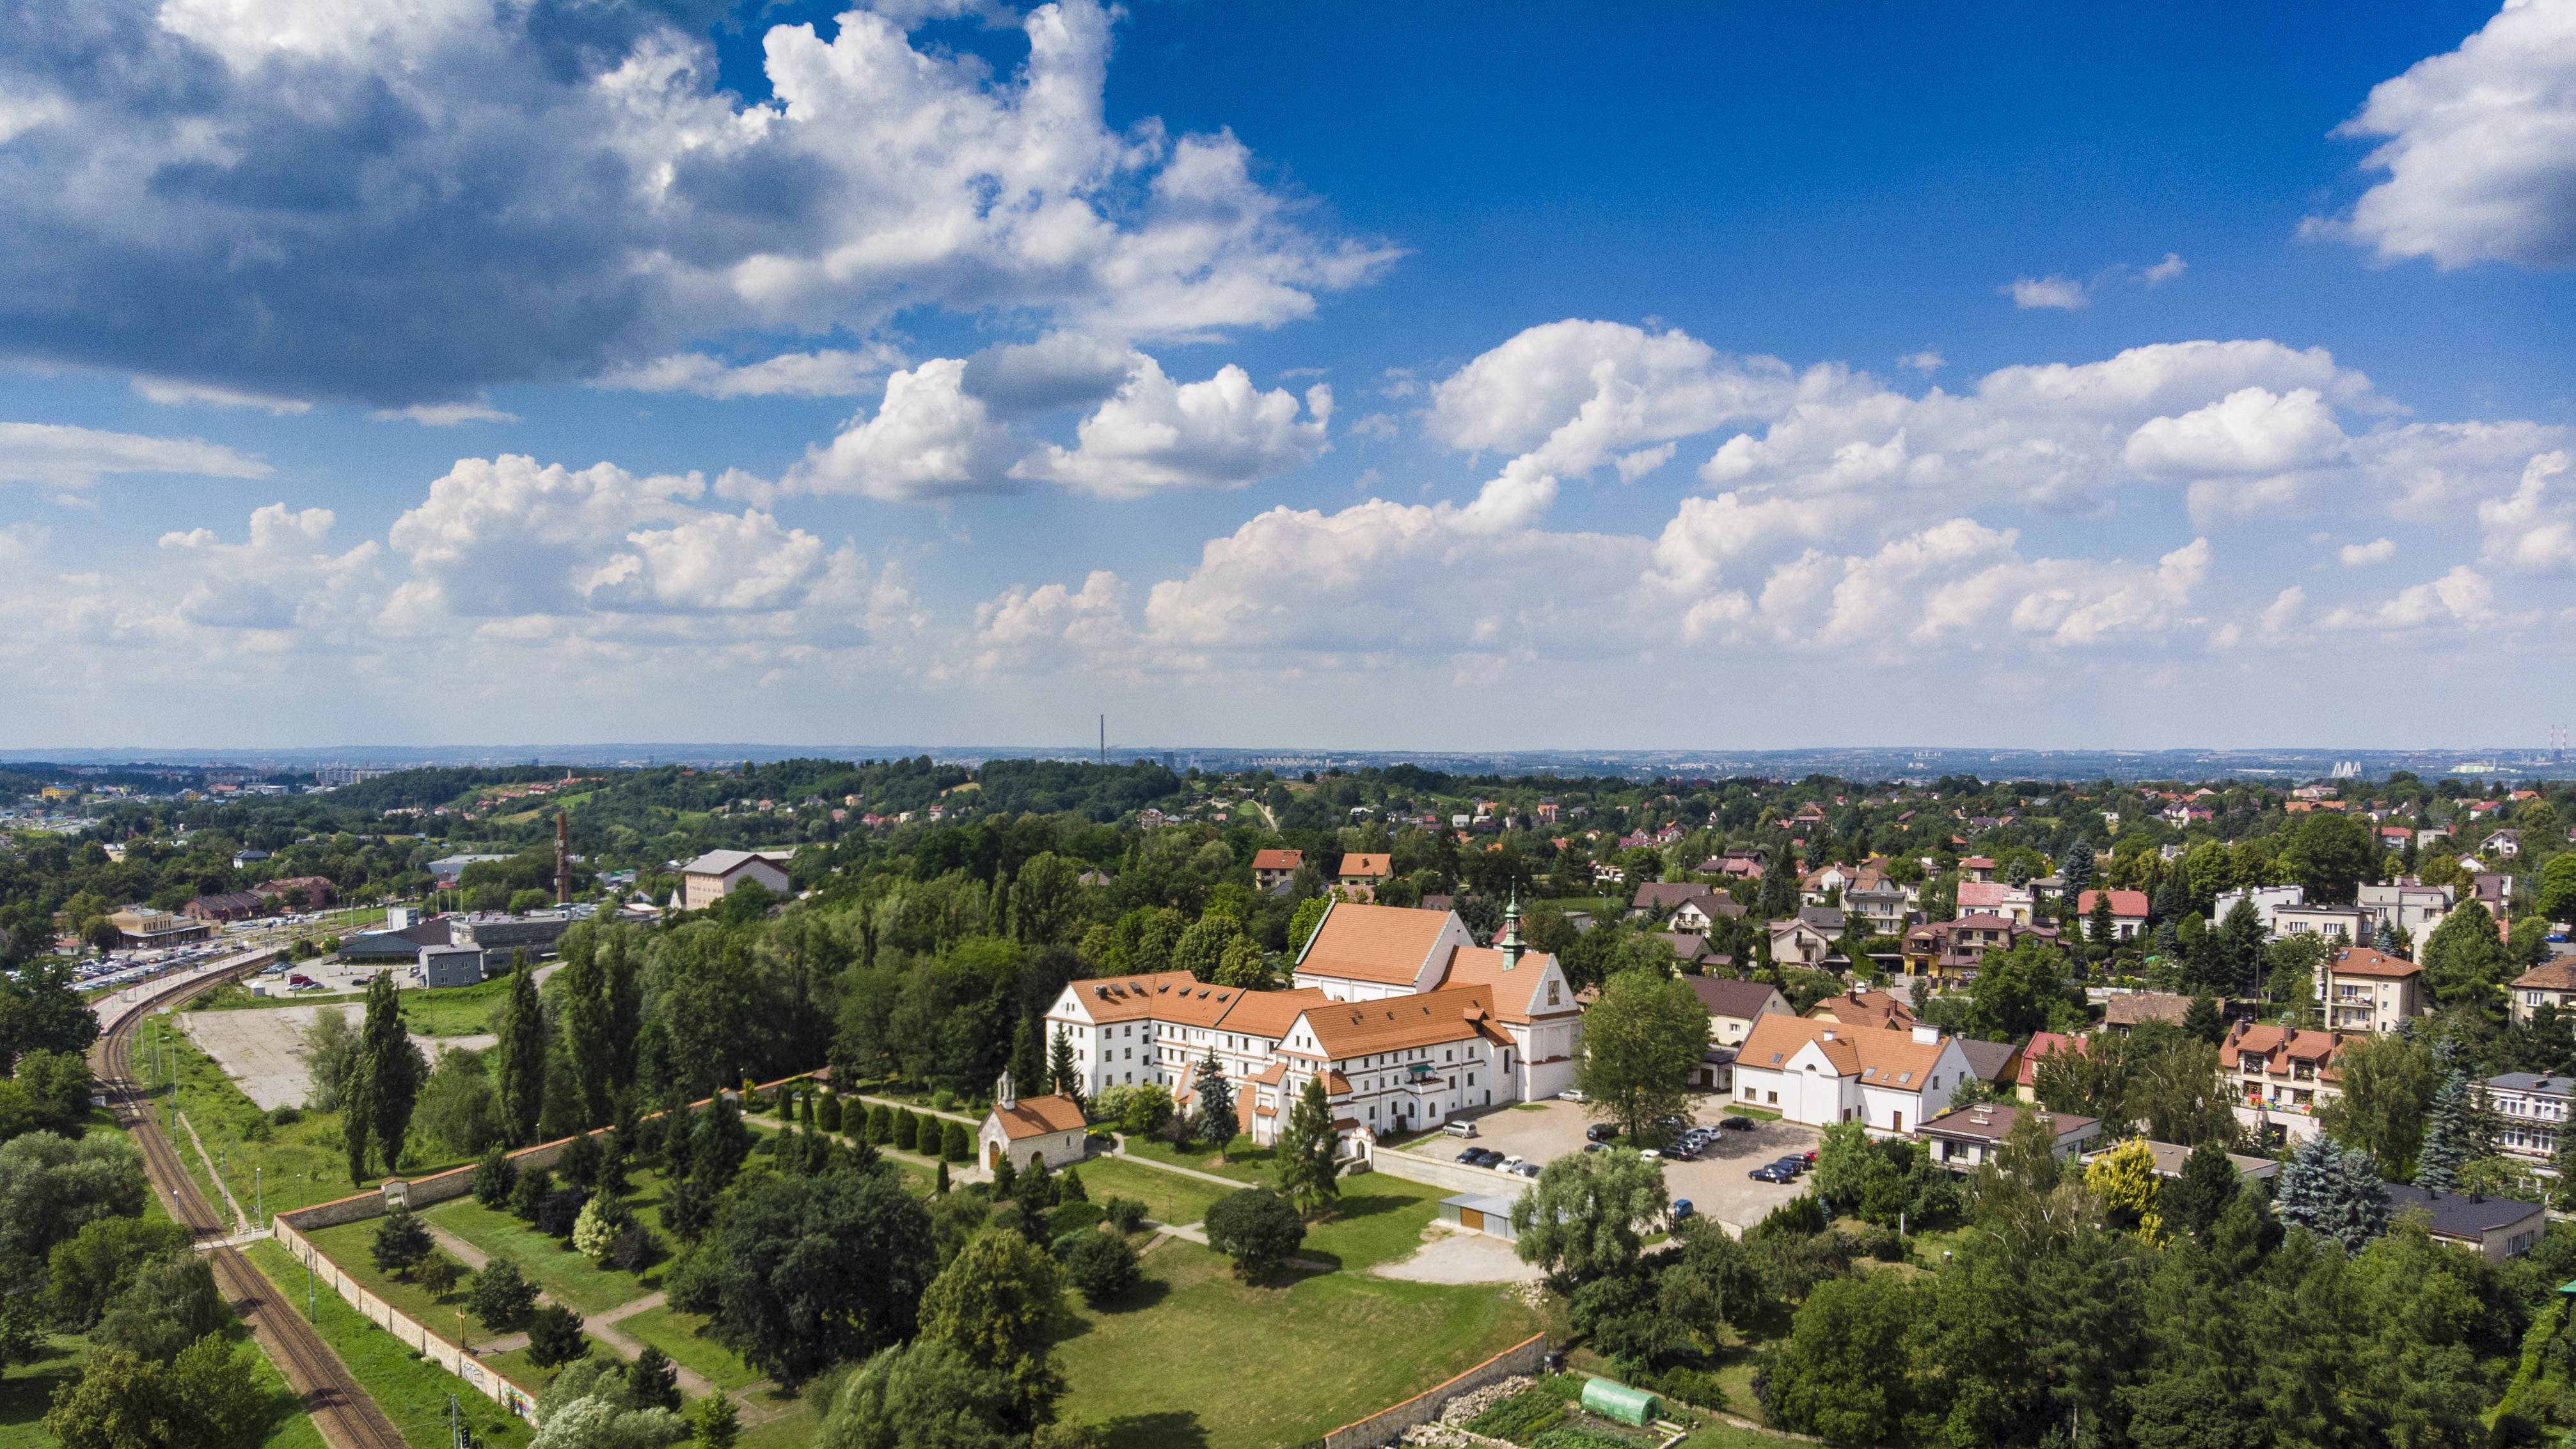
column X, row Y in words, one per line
column 714, row 875
column 1026, row 1129
column 2264, row 899
column 2533, row 1109
column 1823, row 1072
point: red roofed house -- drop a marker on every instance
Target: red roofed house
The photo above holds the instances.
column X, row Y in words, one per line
column 1027, row 1129
column 2280, row 1076
column 1361, row 872
column 1822, row 1072
column 2128, row 912
column 1272, row 869
column 2365, row 989
column 2041, row 1044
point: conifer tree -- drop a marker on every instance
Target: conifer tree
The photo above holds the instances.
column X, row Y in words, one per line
column 2449, row 1131
column 521, row 1074
column 585, row 1028
column 1216, row 1102
column 2333, row 1192
column 1306, row 1166
column 2078, row 869
column 384, row 1082
column 1028, row 1069
column 624, row 998
column 1060, row 1066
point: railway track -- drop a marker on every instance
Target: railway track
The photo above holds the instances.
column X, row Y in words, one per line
column 341, row 1409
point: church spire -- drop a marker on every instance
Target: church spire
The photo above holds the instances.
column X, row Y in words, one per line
column 1511, row 942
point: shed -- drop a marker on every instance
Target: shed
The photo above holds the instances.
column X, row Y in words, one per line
column 1620, row 1402
column 1476, row 1212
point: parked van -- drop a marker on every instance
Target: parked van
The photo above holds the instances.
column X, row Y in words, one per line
column 1458, row 1129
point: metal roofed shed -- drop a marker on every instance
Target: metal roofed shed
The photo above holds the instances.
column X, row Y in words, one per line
column 1477, row 1212
column 1620, row 1402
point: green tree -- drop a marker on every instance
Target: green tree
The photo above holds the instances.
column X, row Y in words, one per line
column 1201, row 949
column 816, row 1270
column 921, row 1395
column 2388, row 1083
column 1843, row 1373
column 209, row 1397
column 1217, row 1120
column 555, row 1336
column 717, row 1422
column 2334, row 1192
column 1257, row 1228
column 2201, row 1020
column 384, row 1082
column 501, row 1296
column 400, row 1244
column 1301, row 926
column 1103, row 1266
column 494, row 1177
column 86, row 1272
column 522, row 1055
column 1046, row 900
column 582, row 1002
column 624, row 996
column 1308, row 1172
column 1061, row 1067
column 2558, row 888
column 2464, row 961
column 2236, row 950
column 1585, row 1216
column 1643, row 1040
column 172, row 1304
column 2123, row 1180
column 652, row 1380
column 2190, row 1204
column 998, row 1304
column 2450, row 1128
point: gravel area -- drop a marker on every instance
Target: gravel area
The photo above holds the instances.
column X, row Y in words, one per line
column 262, row 1050
column 1462, row 1258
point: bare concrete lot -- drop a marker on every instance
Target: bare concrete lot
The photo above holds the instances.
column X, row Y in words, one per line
column 1716, row 1184
column 263, row 1050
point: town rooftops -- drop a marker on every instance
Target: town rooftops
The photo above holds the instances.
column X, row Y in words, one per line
column 2370, row 961
column 1174, row 996
column 1739, row 999
column 2124, row 904
column 1863, row 1008
column 1385, row 944
column 2461, row 1215
column 1879, row 1058
column 2558, row 1085
column 1515, row 991
column 1990, row 1122
column 1988, row 1059
column 1278, row 859
column 1398, row 1023
column 2044, row 1044
column 2557, row 975
column 1039, row 1116
column 1371, row 866
column 1666, row 895
column 2136, row 1008
column 726, row 862
column 2171, row 1157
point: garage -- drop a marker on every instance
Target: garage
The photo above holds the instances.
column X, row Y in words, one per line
column 1478, row 1213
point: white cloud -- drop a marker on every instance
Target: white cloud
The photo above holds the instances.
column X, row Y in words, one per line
column 1157, row 434
column 61, row 456
column 187, row 394
column 2530, row 531
column 825, row 372
column 2283, row 611
column 2165, row 271
column 563, row 192
column 2251, row 430
column 2462, row 596
column 278, row 580
column 1929, row 360
column 929, row 440
column 2481, row 155
column 1377, row 427
column 1049, row 625
column 444, row 415
column 2029, row 293
column 2363, row 555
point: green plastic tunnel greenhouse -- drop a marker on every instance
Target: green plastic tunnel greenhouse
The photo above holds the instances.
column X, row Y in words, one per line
column 1620, row 1402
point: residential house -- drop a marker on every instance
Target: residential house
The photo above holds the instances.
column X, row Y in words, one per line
column 2128, row 1010
column 2042, row 1044
column 2264, row 899
column 1994, row 898
column 1966, row 1139
column 1664, row 895
column 1828, row 919
column 1950, row 952
column 1029, row 1130
column 2498, row 1227
column 1875, row 1009
column 2506, row 842
column 2395, row 837
column 1691, row 952
column 1977, row 868
column 2407, row 904
column 1820, row 1072
column 2280, row 1076
column 2352, row 923
column 242, row 858
column 2365, row 989
column 1272, row 870
column 2493, row 889
column 1733, row 1006
column 1700, row 912
column 2128, row 912
column 2170, row 1159
column 1829, row 880
column 719, row 873
column 298, row 893
column 1362, row 871
column 226, row 906
column 1796, row 943
column 1996, row 1063
column 2551, row 982
column 2532, row 1109
column 1881, row 904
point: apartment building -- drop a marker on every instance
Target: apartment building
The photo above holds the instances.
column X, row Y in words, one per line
column 2364, row 989
column 2531, row 1108
column 2280, row 1076
column 2551, row 983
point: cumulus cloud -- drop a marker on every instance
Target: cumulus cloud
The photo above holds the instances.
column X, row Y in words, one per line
column 930, row 440
column 2165, row 271
column 1157, row 434
column 2534, row 529
column 61, row 456
column 2031, row 293
column 824, row 372
column 256, row 198
column 1929, row 360
column 2363, row 555
column 278, row 580
column 2462, row 596
column 2481, row 149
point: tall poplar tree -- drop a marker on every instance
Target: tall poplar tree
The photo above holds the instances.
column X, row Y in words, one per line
column 625, row 999
column 390, row 1068
column 522, row 1074
column 585, row 1029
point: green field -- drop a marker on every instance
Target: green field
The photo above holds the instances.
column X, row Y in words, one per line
column 1173, row 1364
column 438, row 1011
column 1168, row 1196
column 677, row 1335
column 1244, row 1162
column 572, row 1280
column 410, row 1389
column 1378, row 1220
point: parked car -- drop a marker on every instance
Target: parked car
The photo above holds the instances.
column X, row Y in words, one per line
column 1736, row 1124
column 1772, row 1172
column 1470, row 1155
column 1599, row 1132
column 1570, row 1094
column 1650, row 1154
column 1682, row 1208
column 1526, row 1169
column 1458, row 1129
column 1791, row 1165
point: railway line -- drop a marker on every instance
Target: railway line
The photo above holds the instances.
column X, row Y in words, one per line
column 341, row 1409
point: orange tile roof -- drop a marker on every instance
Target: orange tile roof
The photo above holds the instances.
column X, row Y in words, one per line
column 1863, row 1008
column 1278, row 859
column 1386, row 944
column 2123, row 903
column 1516, row 992
column 2045, row 1044
column 1038, row 1116
column 1374, row 867
column 1880, row 1058
column 1397, row 1023
column 2371, row 961
column 1131, row 998
column 1269, row 1013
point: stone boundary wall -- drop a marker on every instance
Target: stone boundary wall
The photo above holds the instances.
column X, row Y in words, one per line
column 402, row 1326
column 1455, row 1176
column 1388, row 1425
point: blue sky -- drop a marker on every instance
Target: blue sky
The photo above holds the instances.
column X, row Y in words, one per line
column 1374, row 376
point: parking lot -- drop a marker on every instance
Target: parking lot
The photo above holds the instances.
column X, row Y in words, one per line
column 1716, row 1184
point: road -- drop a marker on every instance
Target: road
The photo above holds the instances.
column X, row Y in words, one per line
column 341, row 1410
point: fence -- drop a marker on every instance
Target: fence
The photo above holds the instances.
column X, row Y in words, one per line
column 1388, row 1425
column 1455, row 1176
column 401, row 1325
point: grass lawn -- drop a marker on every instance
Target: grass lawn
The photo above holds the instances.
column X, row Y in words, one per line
column 1170, row 1366
column 1244, row 1162
column 410, row 1389
column 792, row 1426
column 1168, row 1196
column 573, row 1280
column 1380, row 1218
column 515, row 1367
column 29, row 1388
column 676, row 1334
column 347, row 1244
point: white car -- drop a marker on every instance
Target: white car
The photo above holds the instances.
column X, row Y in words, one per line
column 1570, row 1094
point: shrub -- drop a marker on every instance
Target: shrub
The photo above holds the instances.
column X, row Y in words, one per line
column 286, row 1116
column 534, row 1186
column 554, row 1336
column 880, row 1126
column 594, row 1232
column 1125, row 1213
column 494, row 1177
column 255, row 1128
column 1008, row 1218
column 578, row 1163
column 827, row 1114
column 636, row 1249
column 1102, row 1265
column 907, row 1131
column 560, row 1211
column 1076, row 1217
column 955, row 1145
column 1576, row 1436
column 501, row 1296
column 942, row 1100
column 1690, row 1385
column 1070, row 1188
column 1257, row 1228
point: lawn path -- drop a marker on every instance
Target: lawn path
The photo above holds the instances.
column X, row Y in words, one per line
column 1198, row 1235
column 1230, row 1184
column 957, row 1171
column 598, row 1325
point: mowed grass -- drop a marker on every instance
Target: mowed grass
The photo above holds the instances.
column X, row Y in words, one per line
column 572, row 1280
column 1378, row 1220
column 410, row 1389
column 349, row 1245
column 28, row 1389
column 1172, row 1364
column 1168, row 1196
column 678, row 1335
column 1244, row 1162
column 776, row 1419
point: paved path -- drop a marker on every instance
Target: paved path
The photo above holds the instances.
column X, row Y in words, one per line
column 1197, row 1233
column 601, row 1325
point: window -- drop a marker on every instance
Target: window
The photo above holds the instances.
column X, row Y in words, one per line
column 1551, row 993
column 1774, row 1096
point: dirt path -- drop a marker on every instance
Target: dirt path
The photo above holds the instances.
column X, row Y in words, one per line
column 242, row 1225
column 601, row 1325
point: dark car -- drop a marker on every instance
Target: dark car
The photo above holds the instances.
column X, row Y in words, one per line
column 1791, row 1165
column 1527, row 1169
column 1599, row 1132
column 1481, row 1156
column 1469, row 1156
column 1736, row 1124
column 1772, row 1172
